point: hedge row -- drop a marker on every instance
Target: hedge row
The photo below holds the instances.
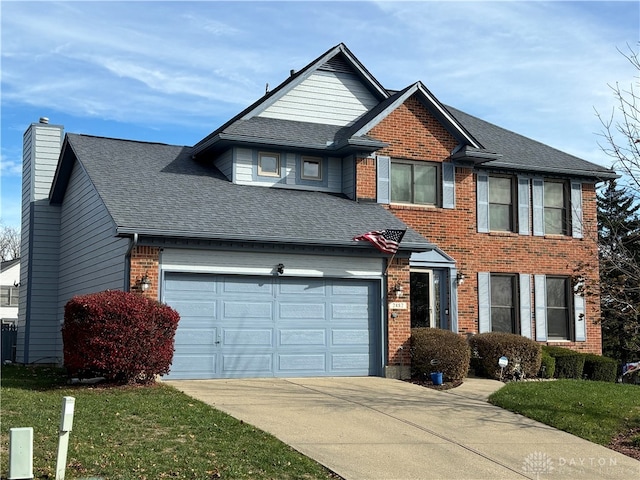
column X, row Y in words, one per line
column 536, row 361
column 572, row 364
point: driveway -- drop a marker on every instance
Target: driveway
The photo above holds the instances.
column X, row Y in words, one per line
column 375, row 428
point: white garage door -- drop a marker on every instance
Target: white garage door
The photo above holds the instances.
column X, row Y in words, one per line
column 238, row 326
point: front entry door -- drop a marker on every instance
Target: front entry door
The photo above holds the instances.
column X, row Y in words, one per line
column 428, row 294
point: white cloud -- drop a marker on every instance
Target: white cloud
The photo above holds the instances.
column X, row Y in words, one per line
column 10, row 167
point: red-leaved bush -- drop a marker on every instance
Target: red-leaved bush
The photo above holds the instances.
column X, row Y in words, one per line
column 125, row 337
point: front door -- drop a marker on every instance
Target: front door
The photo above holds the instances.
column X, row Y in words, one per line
column 428, row 294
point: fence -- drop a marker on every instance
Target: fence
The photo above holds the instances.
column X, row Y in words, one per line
column 9, row 338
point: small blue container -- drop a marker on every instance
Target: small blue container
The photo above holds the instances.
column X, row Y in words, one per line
column 436, row 378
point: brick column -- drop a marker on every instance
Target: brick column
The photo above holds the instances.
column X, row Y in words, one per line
column 398, row 321
column 145, row 261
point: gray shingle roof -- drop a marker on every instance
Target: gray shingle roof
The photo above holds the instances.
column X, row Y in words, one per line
column 522, row 153
column 158, row 189
column 296, row 134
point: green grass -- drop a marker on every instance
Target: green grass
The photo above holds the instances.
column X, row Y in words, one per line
column 140, row 433
column 596, row 411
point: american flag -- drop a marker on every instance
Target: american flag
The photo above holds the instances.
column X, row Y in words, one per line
column 387, row 241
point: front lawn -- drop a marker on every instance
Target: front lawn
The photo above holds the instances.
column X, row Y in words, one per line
column 140, row 433
column 604, row 413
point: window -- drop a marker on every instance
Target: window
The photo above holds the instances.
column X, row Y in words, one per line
column 269, row 164
column 501, row 211
column 555, row 208
column 311, row 168
column 9, row 296
column 504, row 307
column 558, row 308
column 414, row 183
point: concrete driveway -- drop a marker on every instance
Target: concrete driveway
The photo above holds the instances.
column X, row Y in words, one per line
column 374, row 428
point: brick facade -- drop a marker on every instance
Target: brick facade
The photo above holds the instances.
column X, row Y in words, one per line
column 413, row 133
column 145, row 261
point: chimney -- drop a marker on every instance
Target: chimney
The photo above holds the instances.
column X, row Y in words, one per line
column 38, row 306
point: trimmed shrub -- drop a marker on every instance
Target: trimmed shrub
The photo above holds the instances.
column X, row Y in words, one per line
column 569, row 363
column 124, row 337
column 600, row 369
column 448, row 349
column 491, row 346
column 548, row 365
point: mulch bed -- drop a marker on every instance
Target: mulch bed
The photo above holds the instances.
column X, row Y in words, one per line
column 622, row 444
column 429, row 384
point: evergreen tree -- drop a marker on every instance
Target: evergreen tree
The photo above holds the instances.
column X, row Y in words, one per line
column 619, row 247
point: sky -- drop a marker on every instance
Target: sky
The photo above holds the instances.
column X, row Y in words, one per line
column 173, row 72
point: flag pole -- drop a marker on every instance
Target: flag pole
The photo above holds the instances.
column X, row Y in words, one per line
column 389, row 263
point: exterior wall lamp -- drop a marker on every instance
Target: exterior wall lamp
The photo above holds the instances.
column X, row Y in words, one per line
column 398, row 289
column 144, row 283
column 280, row 268
column 460, row 278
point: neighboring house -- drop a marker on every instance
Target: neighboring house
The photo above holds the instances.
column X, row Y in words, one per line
column 249, row 233
column 9, row 290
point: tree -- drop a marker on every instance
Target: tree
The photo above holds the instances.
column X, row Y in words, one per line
column 619, row 226
column 9, row 243
column 619, row 251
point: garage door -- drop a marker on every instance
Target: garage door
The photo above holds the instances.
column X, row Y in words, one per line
column 237, row 326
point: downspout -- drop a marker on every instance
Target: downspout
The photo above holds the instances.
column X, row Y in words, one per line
column 127, row 263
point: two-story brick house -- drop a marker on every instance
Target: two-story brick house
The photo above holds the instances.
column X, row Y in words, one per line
column 249, row 233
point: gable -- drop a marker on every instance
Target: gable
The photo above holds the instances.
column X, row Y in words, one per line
column 333, row 94
column 413, row 132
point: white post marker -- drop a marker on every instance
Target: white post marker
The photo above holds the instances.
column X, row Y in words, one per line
column 66, row 424
column 20, row 453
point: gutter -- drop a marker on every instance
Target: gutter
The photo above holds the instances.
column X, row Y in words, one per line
column 408, row 246
column 127, row 262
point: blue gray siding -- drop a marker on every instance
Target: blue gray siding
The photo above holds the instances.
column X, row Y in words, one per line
column 334, row 98
column 37, row 320
column 245, row 172
column 225, row 164
column 91, row 257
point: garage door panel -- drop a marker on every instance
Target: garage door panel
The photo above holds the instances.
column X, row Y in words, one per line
column 350, row 289
column 247, row 337
column 192, row 286
column 350, row 361
column 195, row 336
column 197, row 366
column 254, row 363
column 302, row 311
column 349, row 311
column 248, row 310
column 304, row 287
column 298, row 337
column 358, row 338
column 299, row 363
column 195, row 309
column 248, row 285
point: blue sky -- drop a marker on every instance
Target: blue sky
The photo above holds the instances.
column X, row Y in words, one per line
column 173, row 72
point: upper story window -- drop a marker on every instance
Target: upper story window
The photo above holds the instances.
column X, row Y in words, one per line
column 555, row 208
column 311, row 168
column 414, row 182
column 516, row 203
column 269, row 164
column 501, row 200
column 9, row 296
